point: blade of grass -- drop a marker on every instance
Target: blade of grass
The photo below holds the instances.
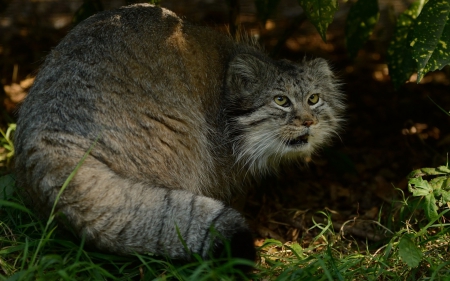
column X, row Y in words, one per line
column 25, row 253
column 424, row 229
column 436, row 270
column 333, row 264
column 4, row 203
column 443, row 110
column 80, row 249
column 325, row 270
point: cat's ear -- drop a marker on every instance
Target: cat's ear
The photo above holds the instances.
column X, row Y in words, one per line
column 245, row 72
column 321, row 66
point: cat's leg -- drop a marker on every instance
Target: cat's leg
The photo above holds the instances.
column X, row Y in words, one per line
column 123, row 216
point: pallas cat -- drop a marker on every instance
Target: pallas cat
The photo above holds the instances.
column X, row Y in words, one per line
column 176, row 116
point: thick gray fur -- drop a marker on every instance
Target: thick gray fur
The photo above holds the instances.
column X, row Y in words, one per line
column 183, row 115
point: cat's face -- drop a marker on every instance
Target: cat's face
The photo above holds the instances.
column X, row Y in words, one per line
column 279, row 110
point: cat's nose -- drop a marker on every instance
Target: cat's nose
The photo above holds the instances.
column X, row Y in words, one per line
column 307, row 123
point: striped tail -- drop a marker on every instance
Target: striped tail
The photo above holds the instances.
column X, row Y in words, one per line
column 122, row 216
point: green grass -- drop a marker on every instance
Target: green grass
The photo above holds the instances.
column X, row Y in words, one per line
column 31, row 249
column 416, row 248
column 35, row 249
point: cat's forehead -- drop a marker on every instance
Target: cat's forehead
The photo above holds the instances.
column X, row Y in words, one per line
column 292, row 75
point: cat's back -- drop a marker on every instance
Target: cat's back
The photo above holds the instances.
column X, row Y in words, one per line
column 138, row 46
column 142, row 79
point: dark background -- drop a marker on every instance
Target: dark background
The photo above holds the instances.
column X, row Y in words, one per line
column 388, row 132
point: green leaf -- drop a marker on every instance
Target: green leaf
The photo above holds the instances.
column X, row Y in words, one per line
column 408, row 251
column 437, row 184
column 441, row 182
column 429, row 191
column 429, row 206
column 269, row 242
column 400, row 61
column 296, row 249
column 361, row 20
column 320, row 13
column 420, row 187
column 415, row 174
column 443, row 169
column 431, row 37
column 445, row 196
column 431, row 171
column 20, row 207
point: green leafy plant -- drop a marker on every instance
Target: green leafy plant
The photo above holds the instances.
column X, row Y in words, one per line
column 431, row 37
column 434, row 193
column 421, row 42
column 408, row 250
column 401, row 64
column 320, row 13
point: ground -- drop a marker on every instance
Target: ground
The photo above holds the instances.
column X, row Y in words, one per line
column 388, row 132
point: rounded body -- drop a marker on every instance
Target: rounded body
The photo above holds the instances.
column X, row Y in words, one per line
column 177, row 116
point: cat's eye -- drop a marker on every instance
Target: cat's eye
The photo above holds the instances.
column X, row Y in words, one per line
column 313, row 99
column 282, row 101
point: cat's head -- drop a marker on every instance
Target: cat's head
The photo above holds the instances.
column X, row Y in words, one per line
column 279, row 110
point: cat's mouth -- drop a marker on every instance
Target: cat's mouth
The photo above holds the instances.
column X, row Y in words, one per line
column 300, row 140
